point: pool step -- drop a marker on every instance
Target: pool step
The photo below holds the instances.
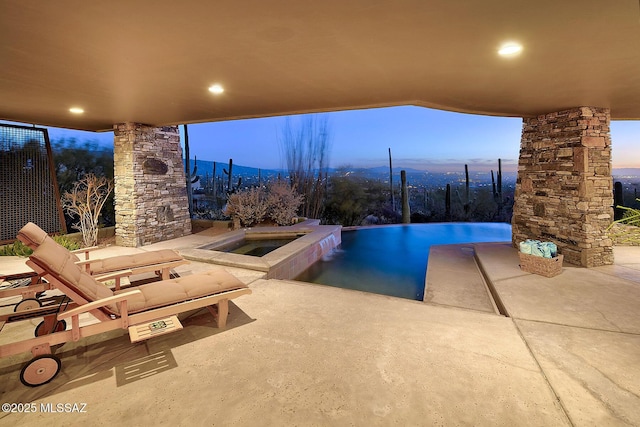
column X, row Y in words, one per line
column 454, row 279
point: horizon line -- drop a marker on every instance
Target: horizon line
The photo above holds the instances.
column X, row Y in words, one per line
column 437, row 168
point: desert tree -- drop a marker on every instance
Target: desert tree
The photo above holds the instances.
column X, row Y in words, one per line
column 73, row 160
column 306, row 146
column 85, row 201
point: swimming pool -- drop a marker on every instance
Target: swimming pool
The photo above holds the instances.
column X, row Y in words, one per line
column 392, row 260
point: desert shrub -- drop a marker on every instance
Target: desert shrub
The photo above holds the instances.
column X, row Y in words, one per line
column 248, row 206
column 631, row 216
column 67, row 242
column 282, row 202
column 626, row 231
column 347, row 202
column 85, row 202
column 17, row 248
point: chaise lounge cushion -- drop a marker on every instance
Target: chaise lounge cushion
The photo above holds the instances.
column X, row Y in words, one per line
column 33, row 236
column 166, row 292
column 61, row 266
column 124, row 262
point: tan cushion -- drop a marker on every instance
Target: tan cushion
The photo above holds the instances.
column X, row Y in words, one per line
column 62, row 266
column 124, row 262
column 33, row 236
column 167, row 292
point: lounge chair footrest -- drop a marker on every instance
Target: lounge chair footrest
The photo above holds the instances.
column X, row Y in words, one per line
column 144, row 331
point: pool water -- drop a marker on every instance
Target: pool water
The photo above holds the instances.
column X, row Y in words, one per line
column 392, row 260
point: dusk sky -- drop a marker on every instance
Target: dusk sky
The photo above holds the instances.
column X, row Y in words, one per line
column 419, row 138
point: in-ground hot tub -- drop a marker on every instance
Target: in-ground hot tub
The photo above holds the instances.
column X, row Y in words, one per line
column 254, row 244
column 306, row 244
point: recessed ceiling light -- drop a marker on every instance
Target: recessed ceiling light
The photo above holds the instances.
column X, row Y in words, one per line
column 216, row 89
column 510, row 49
column 76, row 110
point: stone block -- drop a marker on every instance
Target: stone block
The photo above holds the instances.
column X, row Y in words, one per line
column 580, row 159
column 564, row 152
column 593, row 141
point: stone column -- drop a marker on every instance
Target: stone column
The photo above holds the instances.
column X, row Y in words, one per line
column 564, row 186
column 150, row 187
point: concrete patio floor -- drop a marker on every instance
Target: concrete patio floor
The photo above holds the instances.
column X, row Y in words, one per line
column 302, row 354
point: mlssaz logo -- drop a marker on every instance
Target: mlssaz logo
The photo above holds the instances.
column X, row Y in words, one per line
column 64, row 407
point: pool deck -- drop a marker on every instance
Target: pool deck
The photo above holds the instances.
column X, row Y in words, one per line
column 293, row 353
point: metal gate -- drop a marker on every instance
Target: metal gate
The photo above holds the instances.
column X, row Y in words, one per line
column 28, row 187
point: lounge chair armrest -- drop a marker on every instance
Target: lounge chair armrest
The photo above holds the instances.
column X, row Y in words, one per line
column 85, row 251
column 113, row 275
column 97, row 304
column 84, row 262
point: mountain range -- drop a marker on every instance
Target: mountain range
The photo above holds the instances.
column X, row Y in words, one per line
column 206, row 167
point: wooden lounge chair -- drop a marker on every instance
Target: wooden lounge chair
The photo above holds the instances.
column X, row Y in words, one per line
column 160, row 262
column 146, row 311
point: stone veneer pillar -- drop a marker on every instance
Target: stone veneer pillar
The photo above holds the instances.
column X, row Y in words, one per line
column 564, row 190
column 150, row 188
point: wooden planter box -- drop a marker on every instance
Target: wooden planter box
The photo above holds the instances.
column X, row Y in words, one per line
column 547, row 267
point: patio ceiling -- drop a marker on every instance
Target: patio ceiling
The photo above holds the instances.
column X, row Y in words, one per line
column 153, row 61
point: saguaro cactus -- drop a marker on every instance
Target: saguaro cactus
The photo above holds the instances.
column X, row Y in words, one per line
column 447, row 204
column 500, row 180
column 497, row 189
column 466, row 185
column 229, row 173
column 618, row 200
column 467, row 203
column 393, row 202
column 493, row 186
column 406, row 214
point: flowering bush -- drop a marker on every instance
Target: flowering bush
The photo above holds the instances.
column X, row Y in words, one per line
column 278, row 202
column 249, row 206
column 283, row 202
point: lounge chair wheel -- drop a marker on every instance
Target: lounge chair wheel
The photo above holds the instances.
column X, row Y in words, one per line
column 61, row 325
column 27, row 304
column 40, row 370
